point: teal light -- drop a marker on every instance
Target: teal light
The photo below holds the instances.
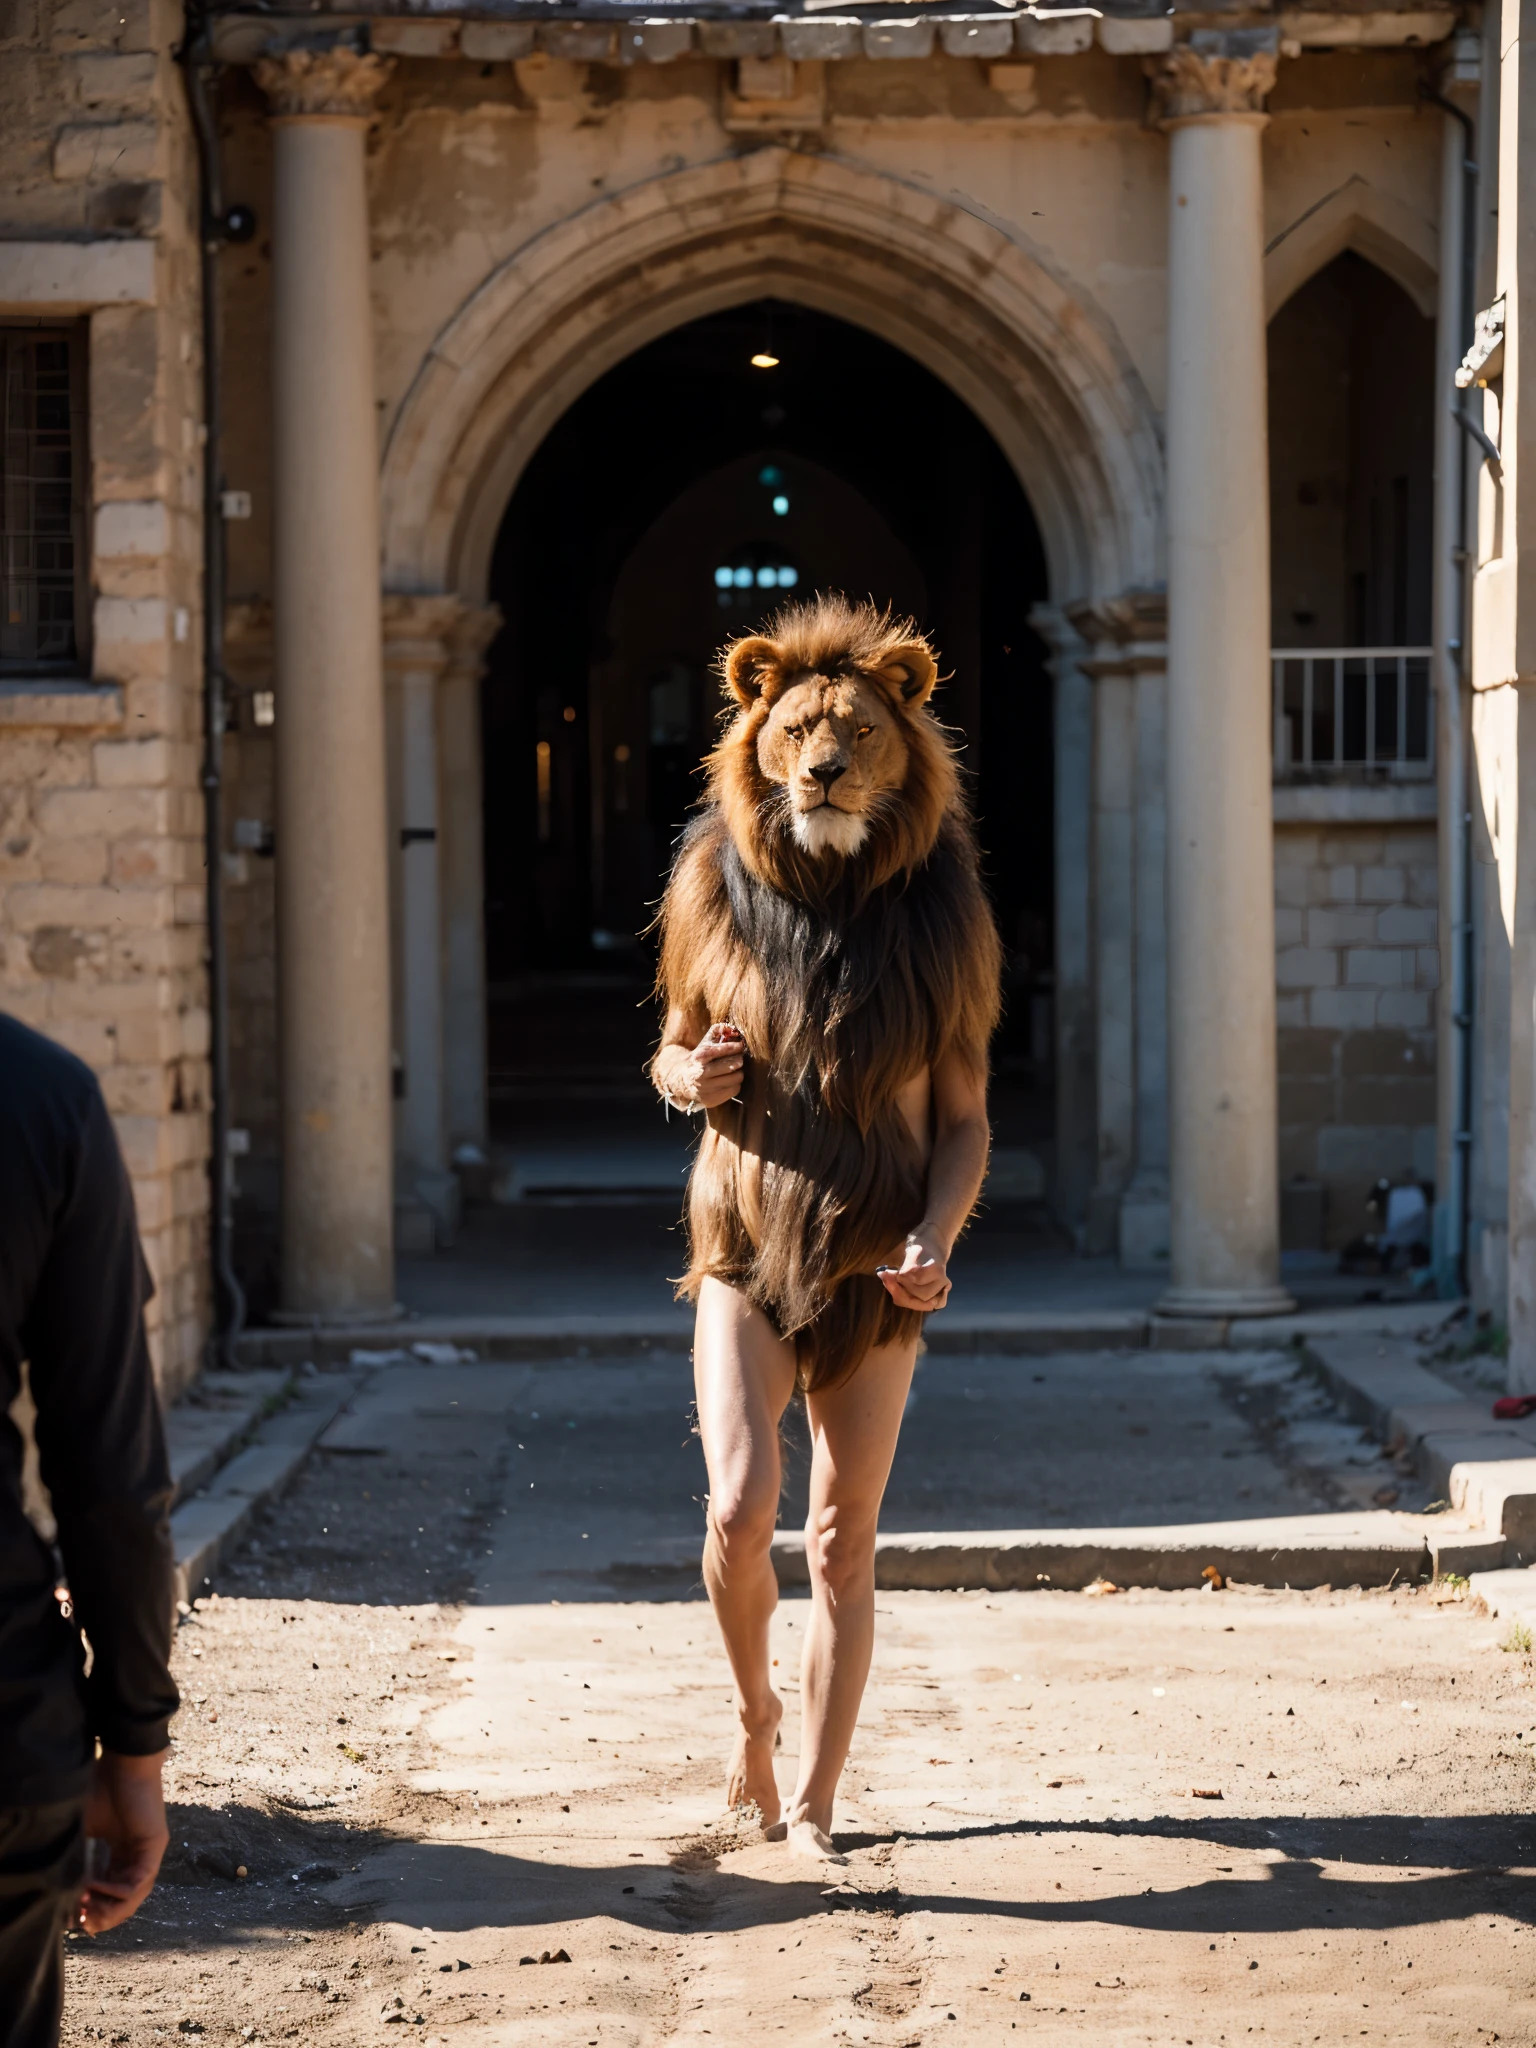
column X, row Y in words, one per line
column 781, row 504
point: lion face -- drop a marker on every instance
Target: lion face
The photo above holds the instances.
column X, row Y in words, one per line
column 834, row 744
column 834, row 761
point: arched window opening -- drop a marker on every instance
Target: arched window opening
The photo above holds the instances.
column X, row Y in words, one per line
column 1351, row 403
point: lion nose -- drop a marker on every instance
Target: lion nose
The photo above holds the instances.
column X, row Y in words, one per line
column 827, row 772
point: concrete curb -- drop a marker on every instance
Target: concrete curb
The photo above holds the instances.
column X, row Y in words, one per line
column 1484, row 1470
column 1298, row 1551
column 1020, row 1333
column 205, row 1527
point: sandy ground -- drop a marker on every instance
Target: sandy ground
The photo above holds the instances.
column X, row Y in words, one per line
column 425, row 1784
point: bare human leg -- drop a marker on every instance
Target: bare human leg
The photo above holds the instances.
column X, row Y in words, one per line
column 853, row 1441
column 744, row 1375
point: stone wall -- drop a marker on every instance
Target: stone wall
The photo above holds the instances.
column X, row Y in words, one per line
column 1357, row 966
column 101, row 864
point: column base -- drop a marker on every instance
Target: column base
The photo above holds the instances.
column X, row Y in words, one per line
column 351, row 1319
column 1228, row 1303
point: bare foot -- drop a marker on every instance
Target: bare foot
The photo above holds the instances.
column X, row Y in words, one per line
column 806, row 1839
column 750, row 1780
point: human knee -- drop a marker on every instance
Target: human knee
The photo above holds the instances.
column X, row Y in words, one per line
column 840, row 1541
column 742, row 1517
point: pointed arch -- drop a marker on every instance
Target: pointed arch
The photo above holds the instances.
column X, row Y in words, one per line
column 1355, row 215
column 1040, row 366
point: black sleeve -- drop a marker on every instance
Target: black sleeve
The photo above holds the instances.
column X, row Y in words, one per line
column 101, row 1444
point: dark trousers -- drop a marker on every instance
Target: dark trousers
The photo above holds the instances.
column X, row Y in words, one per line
column 42, row 1869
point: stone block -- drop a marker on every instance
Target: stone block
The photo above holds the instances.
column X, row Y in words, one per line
column 104, row 813
column 1339, row 1009
column 898, row 38
column 96, row 152
column 1364, row 1152
column 118, row 79
column 1292, row 883
column 1135, row 35
column 1427, row 967
column 983, row 39
column 89, row 1038
column 1291, row 1010
column 136, row 764
column 58, row 951
column 578, row 42
column 1423, row 883
column 146, row 860
column 1288, row 927
column 833, row 36
column 1064, row 34
column 1383, row 1099
column 1341, row 925
column 136, row 1091
column 78, row 861
column 1307, row 1052
column 1405, row 925
column 1308, row 967
column 1379, row 1052
column 496, row 42
column 1377, row 967
column 1305, row 1098
column 126, row 455
column 1410, row 1009
column 133, row 529
column 655, row 42
column 1342, row 884
column 128, row 622
column 1383, row 885
column 145, row 1144
column 406, row 37
column 99, row 24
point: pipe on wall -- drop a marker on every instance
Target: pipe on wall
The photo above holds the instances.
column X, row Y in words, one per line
column 200, row 71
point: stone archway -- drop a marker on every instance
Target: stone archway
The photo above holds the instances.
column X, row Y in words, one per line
column 1042, row 368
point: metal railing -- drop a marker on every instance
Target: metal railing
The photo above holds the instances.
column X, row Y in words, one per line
column 1353, row 714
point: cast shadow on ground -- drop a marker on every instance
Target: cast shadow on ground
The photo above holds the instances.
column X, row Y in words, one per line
column 313, row 1875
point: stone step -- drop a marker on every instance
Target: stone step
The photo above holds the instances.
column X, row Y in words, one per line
column 205, row 1526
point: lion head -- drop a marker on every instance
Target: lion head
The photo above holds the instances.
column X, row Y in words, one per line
column 833, row 756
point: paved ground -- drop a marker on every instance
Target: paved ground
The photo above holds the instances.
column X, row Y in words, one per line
column 435, row 1748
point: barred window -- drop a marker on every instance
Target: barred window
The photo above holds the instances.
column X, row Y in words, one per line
column 43, row 558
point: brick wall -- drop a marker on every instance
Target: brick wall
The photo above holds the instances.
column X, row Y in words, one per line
column 1356, row 970
column 101, row 868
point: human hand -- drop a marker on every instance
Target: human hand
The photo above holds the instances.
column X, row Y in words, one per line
column 126, row 1809
column 922, row 1279
column 709, row 1074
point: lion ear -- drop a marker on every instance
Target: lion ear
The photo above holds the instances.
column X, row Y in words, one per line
column 750, row 666
column 910, row 669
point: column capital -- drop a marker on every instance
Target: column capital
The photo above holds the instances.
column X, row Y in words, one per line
column 435, row 631
column 1125, row 635
column 1217, row 72
column 336, row 84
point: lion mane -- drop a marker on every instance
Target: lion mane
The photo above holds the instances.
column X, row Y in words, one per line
column 846, row 975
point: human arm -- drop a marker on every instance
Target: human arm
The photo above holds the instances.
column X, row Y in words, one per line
column 102, row 1454
column 698, row 1065
column 956, row 1168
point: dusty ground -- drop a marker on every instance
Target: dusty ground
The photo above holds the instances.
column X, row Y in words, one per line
column 423, row 1786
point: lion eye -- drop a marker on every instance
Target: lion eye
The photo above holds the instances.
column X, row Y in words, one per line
column 865, row 731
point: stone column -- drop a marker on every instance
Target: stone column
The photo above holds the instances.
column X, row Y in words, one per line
column 417, row 635
column 333, row 899
column 1114, row 946
column 1072, row 725
column 1223, row 1142
column 461, row 866
column 1128, row 662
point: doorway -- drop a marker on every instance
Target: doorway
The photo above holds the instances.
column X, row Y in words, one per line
column 760, row 454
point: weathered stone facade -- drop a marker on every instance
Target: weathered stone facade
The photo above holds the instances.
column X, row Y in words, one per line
column 101, row 856
column 537, row 201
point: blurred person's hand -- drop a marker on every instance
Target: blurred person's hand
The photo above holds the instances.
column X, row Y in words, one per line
column 126, row 1810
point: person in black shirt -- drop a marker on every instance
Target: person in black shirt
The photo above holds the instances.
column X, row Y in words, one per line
column 80, row 1756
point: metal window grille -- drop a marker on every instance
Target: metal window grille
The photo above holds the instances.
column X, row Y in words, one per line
column 42, row 451
column 1355, row 714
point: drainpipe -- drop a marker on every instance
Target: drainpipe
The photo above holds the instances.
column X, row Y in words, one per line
column 215, row 227
column 1457, row 309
